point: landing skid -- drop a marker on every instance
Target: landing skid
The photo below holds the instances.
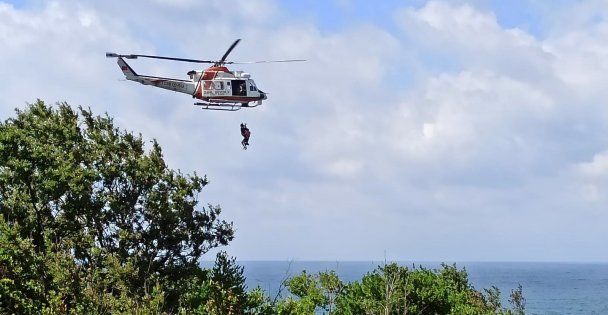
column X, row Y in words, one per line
column 225, row 106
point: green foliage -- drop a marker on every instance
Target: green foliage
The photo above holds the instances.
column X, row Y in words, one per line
column 21, row 288
column 259, row 303
column 311, row 293
column 392, row 289
column 82, row 199
column 383, row 291
column 492, row 298
column 518, row 300
column 223, row 292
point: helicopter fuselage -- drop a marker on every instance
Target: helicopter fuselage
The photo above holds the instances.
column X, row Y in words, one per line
column 217, row 87
column 214, row 86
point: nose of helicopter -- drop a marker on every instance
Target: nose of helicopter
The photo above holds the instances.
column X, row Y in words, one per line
column 262, row 95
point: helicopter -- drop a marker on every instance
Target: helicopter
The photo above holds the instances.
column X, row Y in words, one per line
column 216, row 87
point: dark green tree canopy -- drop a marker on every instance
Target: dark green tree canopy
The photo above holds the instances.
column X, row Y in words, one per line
column 73, row 180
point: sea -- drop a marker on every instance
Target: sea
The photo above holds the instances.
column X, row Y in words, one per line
column 549, row 288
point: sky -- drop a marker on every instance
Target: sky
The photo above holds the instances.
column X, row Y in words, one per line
column 464, row 130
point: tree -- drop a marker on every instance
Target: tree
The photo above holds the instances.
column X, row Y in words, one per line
column 518, row 301
column 307, row 289
column 384, row 291
column 223, row 291
column 72, row 182
column 20, row 292
column 397, row 290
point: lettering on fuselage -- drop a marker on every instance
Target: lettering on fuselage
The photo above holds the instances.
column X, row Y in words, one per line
column 172, row 84
column 215, row 93
column 215, row 88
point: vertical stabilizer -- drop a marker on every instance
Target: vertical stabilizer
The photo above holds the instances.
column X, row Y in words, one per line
column 126, row 69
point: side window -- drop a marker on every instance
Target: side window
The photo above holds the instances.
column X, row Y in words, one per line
column 239, row 87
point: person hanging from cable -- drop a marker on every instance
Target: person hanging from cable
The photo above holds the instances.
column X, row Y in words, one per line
column 246, row 134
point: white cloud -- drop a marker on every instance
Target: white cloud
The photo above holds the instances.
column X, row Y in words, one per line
column 597, row 168
column 458, row 121
column 465, row 38
column 452, row 20
column 590, row 192
column 592, row 178
column 582, row 60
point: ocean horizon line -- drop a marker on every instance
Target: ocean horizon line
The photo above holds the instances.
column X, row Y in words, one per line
column 422, row 261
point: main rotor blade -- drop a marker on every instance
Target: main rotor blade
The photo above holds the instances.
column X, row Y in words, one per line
column 221, row 62
column 261, row 61
column 172, row 58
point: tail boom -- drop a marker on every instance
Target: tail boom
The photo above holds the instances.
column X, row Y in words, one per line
column 177, row 85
